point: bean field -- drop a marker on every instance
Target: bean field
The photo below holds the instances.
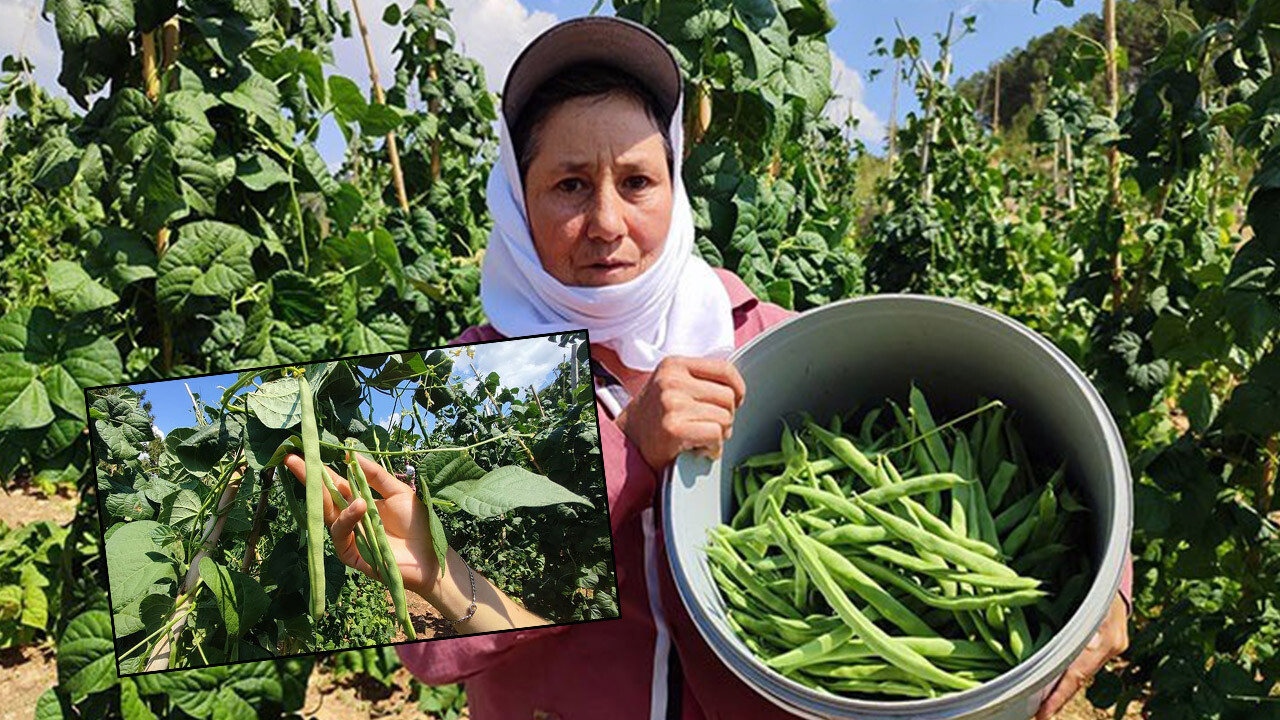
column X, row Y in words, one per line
column 1115, row 186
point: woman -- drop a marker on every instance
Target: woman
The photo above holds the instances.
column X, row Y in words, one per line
column 593, row 229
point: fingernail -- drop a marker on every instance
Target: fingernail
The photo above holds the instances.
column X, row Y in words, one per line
column 1095, row 642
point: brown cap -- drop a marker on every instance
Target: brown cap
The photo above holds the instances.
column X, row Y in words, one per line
column 624, row 44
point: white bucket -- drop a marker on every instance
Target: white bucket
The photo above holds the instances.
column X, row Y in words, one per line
column 837, row 357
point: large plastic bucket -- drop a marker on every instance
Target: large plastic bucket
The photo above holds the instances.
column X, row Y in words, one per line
column 838, row 357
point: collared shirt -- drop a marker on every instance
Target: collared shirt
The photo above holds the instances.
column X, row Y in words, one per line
column 622, row 668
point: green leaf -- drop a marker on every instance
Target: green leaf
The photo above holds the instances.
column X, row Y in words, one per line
column 24, row 402
column 135, row 562
column 383, row 333
column 86, row 661
column 380, row 119
column 240, row 599
column 277, row 404
column 260, row 172
column 255, row 95
column 132, row 706
column 181, row 509
column 200, row 451
column 76, row 292
column 209, row 259
column 1252, row 405
column 317, row 170
column 348, row 100
column 507, row 488
column 1200, row 405
column 52, row 706
column 119, row 256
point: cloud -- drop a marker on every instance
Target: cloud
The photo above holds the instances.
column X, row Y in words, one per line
column 495, row 31
column 23, row 31
column 390, row 421
column 520, row 363
column 157, row 432
column 849, row 101
column 490, row 31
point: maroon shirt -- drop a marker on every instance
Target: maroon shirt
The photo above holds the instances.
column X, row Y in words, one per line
column 612, row 668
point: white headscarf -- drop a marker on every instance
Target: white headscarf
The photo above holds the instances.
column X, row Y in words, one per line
column 676, row 307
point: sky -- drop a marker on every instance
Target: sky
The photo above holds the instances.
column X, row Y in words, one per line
column 494, row 31
column 519, row 363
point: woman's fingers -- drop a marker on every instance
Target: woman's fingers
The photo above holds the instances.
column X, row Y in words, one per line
column 298, row 466
column 1110, row 640
column 720, row 372
column 344, row 539
column 379, row 479
column 713, row 393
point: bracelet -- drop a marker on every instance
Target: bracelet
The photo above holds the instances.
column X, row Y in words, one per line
column 472, row 610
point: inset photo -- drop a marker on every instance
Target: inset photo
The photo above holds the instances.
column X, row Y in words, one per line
column 352, row 503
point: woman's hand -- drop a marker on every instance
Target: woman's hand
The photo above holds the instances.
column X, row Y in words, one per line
column 686, row 404
column 405, row 519
column 1110, row 640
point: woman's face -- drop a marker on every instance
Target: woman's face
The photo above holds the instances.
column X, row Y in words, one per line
column 598, row 192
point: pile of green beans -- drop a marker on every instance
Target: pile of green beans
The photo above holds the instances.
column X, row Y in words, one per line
column 371, row 536
column 908, row 560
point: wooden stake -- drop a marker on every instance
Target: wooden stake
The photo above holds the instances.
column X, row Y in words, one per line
column 995, row 113
column 1113, row 154
column 893, row 113
column 251, row 544
column 397, row 176
column 433, row 106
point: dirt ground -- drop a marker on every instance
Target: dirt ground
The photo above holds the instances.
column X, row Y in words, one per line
column 427, row 623
column 329, row 698
column 20, row 506
column 27, row 672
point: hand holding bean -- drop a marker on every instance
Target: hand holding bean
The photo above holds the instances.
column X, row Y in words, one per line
column 404, row 518
column 1110, row 640
column 686, row 404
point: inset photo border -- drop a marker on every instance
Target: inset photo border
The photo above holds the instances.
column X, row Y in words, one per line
column 482, row 461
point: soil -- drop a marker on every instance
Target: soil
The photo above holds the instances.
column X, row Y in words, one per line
column 27, row 672
column 21, row 505
column 330, row 698
column 427, row 623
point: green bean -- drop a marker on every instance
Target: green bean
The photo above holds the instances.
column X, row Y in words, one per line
column 924, row 483
column 1020, row 640
column 366, row 551
column 825, row 499
column 734, row 565
column 813, row 650
column 1028, row 562
column 950, row 551
column 1017, row 512
column 984, row 631
column 846, row 451
column 928, row 428
column 884, row 688
column 815, row 522
column 763, row 460
column 736, row 596
column 966, row 602
column 937, row 649
column 851, row 576
column 999, row 484
column 395, row 581
column 853, row 535
column 315, row 497
column 890, row 649
column 990, row 454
